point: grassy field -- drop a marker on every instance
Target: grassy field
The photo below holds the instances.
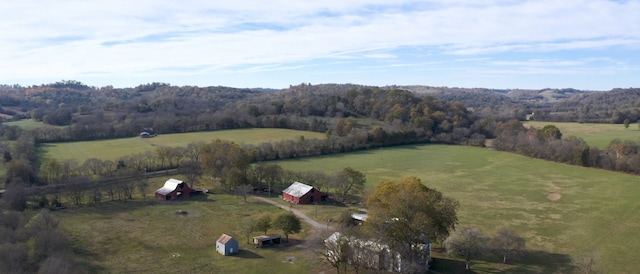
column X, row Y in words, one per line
column 146, row 236
column 115, row 148
column 596, row 211
column 598, row 135
column 27, row 124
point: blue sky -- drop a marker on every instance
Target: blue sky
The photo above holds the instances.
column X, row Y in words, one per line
column 584, row 44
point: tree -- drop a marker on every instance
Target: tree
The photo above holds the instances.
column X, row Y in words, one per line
column 224, row 160
column 468, row 244
column 348, row 180
column 191, row 169
column 420, row 209
column 587, row 263
column 272, row 173
column 508, row 243
column 345, row 220
column 626, row 123
column 408, row 215
column 551, row 131
column 247, row 226
column 289, row 223
column 337, row 251
column 263, row 223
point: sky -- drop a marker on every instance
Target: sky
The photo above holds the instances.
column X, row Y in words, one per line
column 504, row 44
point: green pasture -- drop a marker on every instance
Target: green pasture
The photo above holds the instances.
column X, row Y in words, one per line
column 27, row 124
column 597, row 210
column 146, row 236
column 598, row 135
column 115, row 148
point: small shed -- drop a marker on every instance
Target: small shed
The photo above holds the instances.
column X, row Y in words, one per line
column 173, row 189
column 299, row 193
column 267, row 240
column 227, row 245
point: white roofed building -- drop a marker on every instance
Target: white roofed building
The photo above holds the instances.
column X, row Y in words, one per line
column 173, row 189
column 299, row 193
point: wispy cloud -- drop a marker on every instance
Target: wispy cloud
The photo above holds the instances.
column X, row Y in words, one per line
column 149, row 40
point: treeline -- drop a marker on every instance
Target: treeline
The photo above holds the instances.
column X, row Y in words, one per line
column 88, row 113
column 549, row 144
column 66, row 182
column 353, row 119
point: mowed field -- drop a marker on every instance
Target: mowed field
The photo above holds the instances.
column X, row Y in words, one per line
column 598, row 135
column 115, row 148
column 597, row 210
column 147, row 236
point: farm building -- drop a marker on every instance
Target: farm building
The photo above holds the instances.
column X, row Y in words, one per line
column 227, row 245
column 148, row 133
column 173, row 189
column 359, row 218
column 299, row 193
column 267, row 240
column 376, row 255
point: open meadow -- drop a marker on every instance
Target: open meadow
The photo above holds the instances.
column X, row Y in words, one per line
column 563, row 211
column 115, row 148
column 147, row 236
column 598, row 135
column 28, row 124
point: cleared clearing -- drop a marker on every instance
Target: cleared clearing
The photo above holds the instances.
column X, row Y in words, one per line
column 114, row 148
column 597, row 211
column 598, row 135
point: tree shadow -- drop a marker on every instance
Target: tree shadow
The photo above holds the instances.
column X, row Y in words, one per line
column 444, row 265
column 532, row 261
column 86, row 261
column 546, row 261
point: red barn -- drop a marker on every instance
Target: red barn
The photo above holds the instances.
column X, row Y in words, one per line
column 173, row 189
column 299, row 193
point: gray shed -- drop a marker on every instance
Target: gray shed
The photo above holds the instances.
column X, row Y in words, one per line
column 227, row 245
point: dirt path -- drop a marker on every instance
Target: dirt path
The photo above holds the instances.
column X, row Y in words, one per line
column 298, row 213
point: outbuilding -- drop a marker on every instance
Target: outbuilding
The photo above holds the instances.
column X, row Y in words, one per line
column 267, row 240
column 227, row 245
column 299, row 193
column 173, row 189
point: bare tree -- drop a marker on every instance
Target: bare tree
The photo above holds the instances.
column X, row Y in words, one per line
column 587, row 263
column 191, row 169
column 337, row 251
column 508, row 243
column 469, row 244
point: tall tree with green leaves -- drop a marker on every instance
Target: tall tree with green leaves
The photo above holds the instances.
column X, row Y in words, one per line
column 289, row 223
column 263, row 223
column 226, row 161
column 247, row 226
column 409, row 214
column 349, row 180
column 551, row 131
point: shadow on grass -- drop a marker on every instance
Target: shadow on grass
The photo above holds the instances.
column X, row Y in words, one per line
column 444, row 265
column 547, row 262
column 533, row 261
column 88, row 263
column 108, row 207
column 247, row 254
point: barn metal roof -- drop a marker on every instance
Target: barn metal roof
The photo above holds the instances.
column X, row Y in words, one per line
column 297, row 189
column 359, row 216
column 169, row 185
column 224, row 239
